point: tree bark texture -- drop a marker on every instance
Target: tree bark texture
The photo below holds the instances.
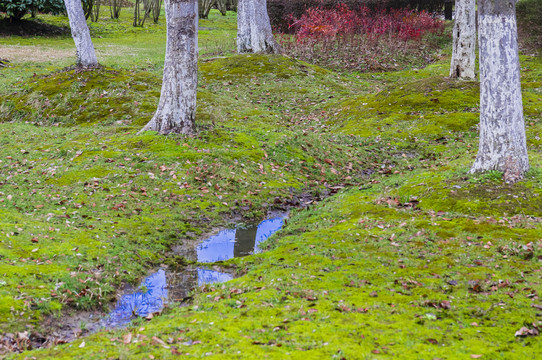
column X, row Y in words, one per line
column 502, row 130
column 81, row 35
column 254, row 33
column 177, row 107
column 464, row 44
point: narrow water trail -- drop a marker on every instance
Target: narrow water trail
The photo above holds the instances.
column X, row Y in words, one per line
column 165, row 286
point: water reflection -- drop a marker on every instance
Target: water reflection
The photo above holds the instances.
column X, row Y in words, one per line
column 265, row 229
column 206, row 276
column 161, row 287
column 149, row 300
column 218, row 247
column 237, row 242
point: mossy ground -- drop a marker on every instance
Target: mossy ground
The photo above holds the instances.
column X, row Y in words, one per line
column 413, row 258
column 85, row 98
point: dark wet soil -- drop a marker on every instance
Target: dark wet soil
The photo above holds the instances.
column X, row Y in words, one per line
column 31, row 27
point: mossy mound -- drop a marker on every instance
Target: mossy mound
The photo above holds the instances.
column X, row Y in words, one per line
column 252, row 65
column 432, row 107
column 75, row 97
column 263, row 85
column 429, row 108
column 486, row 195
column 253, row 89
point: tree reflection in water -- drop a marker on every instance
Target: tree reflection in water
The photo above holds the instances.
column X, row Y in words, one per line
column 237, row 242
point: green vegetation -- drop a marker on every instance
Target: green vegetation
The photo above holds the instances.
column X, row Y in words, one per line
column 412, row 258
column 16, row 9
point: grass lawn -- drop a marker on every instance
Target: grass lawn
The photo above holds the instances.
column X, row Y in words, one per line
column 401, row 254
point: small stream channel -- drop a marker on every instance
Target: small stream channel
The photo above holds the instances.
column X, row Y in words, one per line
column 163, row 286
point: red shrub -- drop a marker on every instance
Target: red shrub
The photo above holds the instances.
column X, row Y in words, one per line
column 279, row 9
column 318, row 23
column 363, row 39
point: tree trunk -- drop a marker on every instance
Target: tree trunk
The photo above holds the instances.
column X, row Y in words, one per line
column 222, row 7
column 81, row 35
column 254, row 34
column 95, row 11
column 231, row 5
column 448, row 9
column 502, row 130
column 115, row 8
column 464, row 44
column 177, row 107
column 205, row 7
column 156, row 8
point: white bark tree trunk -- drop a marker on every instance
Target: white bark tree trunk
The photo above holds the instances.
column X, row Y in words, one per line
column 81, row 35
column 254, row 33
column 464, row 44
column 177, row 107
column 502, row 130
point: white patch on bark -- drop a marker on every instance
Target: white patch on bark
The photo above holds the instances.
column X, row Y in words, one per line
column 177, row 107
column 502, row 130
column 81, row 35
column 254, row 33
column 464, row 44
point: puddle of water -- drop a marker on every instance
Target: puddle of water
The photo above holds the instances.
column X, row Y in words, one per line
column 218, row 247
column 162, row 287
column 150, row 299
column 206, row 276
column 232, row 243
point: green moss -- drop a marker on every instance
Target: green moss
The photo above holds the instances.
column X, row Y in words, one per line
column 410, row 258
column 354, row 276
column 431, row 107
column 73, row 97
column 242, row 67
column 103, row 198
column 9, row 307
column 489, row 197
column 79, row 176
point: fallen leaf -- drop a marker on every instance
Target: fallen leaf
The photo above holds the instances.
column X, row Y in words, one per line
column 445, row 304
column 525, row 331
column 127, row 338
column 158, row 341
